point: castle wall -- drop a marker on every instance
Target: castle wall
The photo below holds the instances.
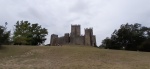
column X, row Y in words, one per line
column 54, row 40
column 64, row 39
column 79, row 40
column 61, row 41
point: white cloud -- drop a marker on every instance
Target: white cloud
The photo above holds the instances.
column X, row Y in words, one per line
column 57, row 15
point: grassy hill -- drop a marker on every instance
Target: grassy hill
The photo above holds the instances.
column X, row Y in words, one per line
column 71, row 57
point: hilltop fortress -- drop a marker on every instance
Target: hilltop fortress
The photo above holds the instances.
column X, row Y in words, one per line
column 75, row 37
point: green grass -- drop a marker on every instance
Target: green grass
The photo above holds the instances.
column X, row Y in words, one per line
column 71, row 57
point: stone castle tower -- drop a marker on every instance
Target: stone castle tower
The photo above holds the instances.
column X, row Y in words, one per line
column 89, row 37
column 75, row 37
column 54, row 39
column 75, row 32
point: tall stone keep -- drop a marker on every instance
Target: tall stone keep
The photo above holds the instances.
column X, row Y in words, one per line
column 75, row 32
column 88, row 36
column 54, row 40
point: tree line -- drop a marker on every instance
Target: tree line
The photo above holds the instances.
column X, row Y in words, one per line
column 134, row 37
column 25, row 33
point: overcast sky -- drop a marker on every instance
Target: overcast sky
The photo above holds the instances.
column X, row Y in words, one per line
column 57, row 15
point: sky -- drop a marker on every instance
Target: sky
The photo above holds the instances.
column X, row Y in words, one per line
column 104, row 16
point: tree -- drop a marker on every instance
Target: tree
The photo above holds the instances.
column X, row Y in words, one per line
column 128, row 37
column 29, row 34
column 4, row 35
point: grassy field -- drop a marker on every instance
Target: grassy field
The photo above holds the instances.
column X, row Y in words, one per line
column 71, row 57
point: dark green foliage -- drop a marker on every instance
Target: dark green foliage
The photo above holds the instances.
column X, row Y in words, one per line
column 128, row 37
column 4, row 36
column 145, row 46
column 106, row 43
column 29, row 34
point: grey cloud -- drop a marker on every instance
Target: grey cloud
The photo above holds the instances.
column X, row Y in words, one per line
column 57, row 15
column 80, row 7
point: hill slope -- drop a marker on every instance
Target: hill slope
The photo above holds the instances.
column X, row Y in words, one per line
column 71, row 57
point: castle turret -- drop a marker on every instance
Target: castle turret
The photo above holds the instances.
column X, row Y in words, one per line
column 54, row 40
column 88, row 36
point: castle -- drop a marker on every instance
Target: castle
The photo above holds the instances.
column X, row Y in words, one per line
column 75, row 37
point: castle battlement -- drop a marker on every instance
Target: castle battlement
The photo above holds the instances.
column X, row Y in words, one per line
column 91, row 28
column 75, row 25
column 66, row 33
